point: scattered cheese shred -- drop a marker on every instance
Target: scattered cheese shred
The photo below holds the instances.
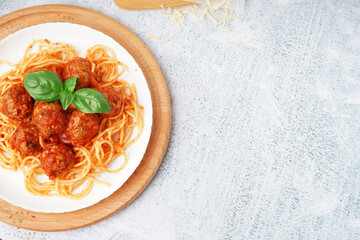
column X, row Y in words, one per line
column 193, row 11
column 247, row 41
column 169, row 38
column 227, row 15
column 212, row 18
column 210, row 6
column 154, row 37
column 178, row 12
column 204, row 14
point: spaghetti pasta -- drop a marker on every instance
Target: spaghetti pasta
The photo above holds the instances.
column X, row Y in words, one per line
column 115, row 133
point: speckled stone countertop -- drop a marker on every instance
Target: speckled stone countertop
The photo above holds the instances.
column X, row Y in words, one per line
column 265, row 133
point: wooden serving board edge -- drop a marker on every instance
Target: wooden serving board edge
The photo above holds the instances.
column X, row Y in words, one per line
column 161, row 127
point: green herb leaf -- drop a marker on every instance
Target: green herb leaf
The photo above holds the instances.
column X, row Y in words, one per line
column 90, row 100
column 70, row 84
column 47, row 86
column 43, row 86
column 66, row 99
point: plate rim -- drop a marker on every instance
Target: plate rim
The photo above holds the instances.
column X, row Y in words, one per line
column 54, row 31
column 161, row 126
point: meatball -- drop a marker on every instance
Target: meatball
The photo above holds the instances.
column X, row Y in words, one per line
column 49, row 118
column 17, row 103
column 56, row 158
column 82, row 127
column 26, row 140
column 115, row 100
column 79, row 67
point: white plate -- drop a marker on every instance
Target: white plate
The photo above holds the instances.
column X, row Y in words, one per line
column 12, row 49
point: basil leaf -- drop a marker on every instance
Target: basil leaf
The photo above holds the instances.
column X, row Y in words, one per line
column 66, row 99
column 70, row 84
column 43, row 86
column 90, row 100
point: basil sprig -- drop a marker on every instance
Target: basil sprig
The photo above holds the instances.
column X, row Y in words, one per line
column 47, row 86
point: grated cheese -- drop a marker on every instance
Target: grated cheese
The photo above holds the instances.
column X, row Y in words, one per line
column 220, row 13
column 204, row 14
column 169, row 38
column 227, row 15
column 212, row 18
column 154, row 37
column 179, row 13
column 247, row 41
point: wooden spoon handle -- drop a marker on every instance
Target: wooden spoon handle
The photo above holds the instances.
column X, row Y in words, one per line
column 151, row 4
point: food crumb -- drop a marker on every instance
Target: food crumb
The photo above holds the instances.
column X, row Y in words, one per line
column 154, row 37
column 169, row 38
column 247, row 41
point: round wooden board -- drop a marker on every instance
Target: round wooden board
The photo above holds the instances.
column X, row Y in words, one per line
column 161, row 118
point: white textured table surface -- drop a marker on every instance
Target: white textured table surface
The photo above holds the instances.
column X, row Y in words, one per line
column 265, row 134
